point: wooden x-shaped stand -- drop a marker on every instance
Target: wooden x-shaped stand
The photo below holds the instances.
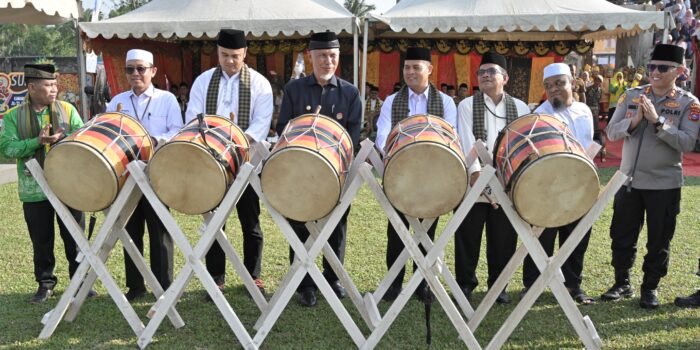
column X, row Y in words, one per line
column 92, row 257
column 429, row 264
column 550, row 268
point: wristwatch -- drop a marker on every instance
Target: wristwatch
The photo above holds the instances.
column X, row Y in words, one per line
column 660, row 121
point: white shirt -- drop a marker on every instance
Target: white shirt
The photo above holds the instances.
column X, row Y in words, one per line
column 577, row 117
column 493, row 125
column 417, row 104
column 157, row 110
column 261, row 100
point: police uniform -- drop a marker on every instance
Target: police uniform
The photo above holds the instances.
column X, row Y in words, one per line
column 340, row 101
column 651, row 156
column 159, row 113
column 259, row 107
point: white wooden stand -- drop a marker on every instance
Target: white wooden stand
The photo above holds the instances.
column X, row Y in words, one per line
column 92, row 257
column 193, row 258
column 430, row 265
column 550, row 272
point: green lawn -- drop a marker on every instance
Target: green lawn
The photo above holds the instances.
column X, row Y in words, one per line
column 621, row 325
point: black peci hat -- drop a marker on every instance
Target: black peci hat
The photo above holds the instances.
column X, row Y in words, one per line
column 418, row 53
column 324, row 40
column 39, row 71
column 231, row 39
column 666, row 52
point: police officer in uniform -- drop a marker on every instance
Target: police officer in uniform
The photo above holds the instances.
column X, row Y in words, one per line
column 341, row 101
column 658, row 122
column 418, row 96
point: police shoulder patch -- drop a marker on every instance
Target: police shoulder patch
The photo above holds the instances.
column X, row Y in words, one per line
column 694, row 114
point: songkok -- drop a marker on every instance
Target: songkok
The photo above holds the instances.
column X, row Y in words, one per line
column 138, row 54
column 39, row 71
column 491, row 57
column 324, row 40
column 556, row 69
column 231, row 39
column 418, row 53
column 666, row 52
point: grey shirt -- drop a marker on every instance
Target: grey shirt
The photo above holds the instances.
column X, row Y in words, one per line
column 660, row 155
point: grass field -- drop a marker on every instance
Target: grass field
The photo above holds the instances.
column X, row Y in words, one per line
column 621, row 325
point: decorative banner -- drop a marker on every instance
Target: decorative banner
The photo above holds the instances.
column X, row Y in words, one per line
column 462, row 69
column 434, row 77
column 373, row 68
column 539, row 48
column 13, row 90
column 519, row 77
column 390, row 72
column 536, row 78
column 447, row 73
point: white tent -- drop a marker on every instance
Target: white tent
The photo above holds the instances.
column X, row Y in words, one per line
column 527, row 20
column 195, row 18
column 38, row 11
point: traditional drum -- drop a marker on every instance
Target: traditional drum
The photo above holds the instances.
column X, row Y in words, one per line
column 304, row 175
column 193, row 170
column 425, row 174
column 545, row 171
column 87, row 169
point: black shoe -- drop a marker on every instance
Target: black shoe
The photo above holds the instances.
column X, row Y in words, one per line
column 220, row 285
column 618, row 291
column 392, row 293
column 338, row 289
column 691, row 301
column 423, row 292
column 503, row 298
column 522, row 293
column 467, row 293
column 135, row 293
column 648, row 299
column 92, row 293
column 42, row 294
column 308, row 297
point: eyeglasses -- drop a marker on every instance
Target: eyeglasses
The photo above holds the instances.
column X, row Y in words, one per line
column 140, row 69
column 557, row 83
column 489, row 71
column 663, row 68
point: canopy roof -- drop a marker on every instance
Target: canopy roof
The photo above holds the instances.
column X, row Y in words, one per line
column 38, row 11
column 520, row 19
column 195, row 18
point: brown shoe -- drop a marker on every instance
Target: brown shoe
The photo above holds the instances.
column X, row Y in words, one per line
column 260, row 284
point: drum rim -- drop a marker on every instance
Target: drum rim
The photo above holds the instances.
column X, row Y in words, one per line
column 101, row 157
column 340, row 126
column 340, row 183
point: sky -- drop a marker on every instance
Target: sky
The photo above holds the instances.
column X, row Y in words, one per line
column 381, row 5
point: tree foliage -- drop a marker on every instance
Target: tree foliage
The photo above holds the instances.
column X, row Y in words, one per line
column 358, row 7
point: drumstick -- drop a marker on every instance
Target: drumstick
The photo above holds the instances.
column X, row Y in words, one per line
column 232, row 116
column 490, row 200
column 318, row 111
column 119, row 107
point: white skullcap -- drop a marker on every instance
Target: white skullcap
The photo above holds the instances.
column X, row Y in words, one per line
column 138, row 54
column 556, row 69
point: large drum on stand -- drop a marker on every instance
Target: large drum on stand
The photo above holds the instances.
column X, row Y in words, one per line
column 87, row 169
column 304, row 175
column 193, row 170
column 545, row 171
column 425, row 173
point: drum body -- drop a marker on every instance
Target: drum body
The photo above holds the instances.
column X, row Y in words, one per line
column 545, row 171
column 425, row 174
column 191, row 173
column 87, row 169
column 304, row 175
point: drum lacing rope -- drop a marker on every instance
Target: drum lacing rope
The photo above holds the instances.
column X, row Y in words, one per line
column 119, row 137
column 203, row 129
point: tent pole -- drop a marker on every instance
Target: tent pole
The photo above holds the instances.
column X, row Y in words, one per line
column 84, row 112
column 354, row 51
column 363, row 88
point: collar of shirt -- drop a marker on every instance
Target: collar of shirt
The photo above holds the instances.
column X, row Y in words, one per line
column 148, row 93
column 673, row 93
column 228, row 86
column 333, row 81
column 425, row 93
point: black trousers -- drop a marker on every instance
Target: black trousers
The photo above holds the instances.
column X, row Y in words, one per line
column 39, row 217
column 661, row 208
column 336, row 241
column 501, row 240
column 160, row 246
column 394, row 247
column 572, row 267
column 248, row 209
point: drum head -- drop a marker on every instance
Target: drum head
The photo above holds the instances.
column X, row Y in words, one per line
column 425, row 180
column 555, row 190
column 80, row 176
column 187, row 178
column 300, row 184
